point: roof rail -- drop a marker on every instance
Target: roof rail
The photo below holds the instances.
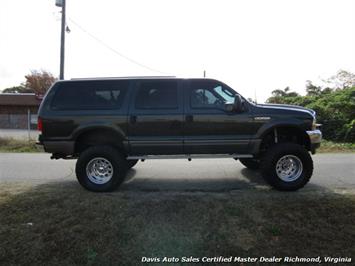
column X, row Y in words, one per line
column 126, row 77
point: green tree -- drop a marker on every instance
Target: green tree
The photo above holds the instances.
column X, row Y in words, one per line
column 326, row 91
column 17, row 89
column 312, row 90
column 335, row 108
column 279, row 96
column 342, row 79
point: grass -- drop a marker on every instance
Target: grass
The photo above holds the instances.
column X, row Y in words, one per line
column 14, row 145
column 331, row 146
column 62, row 224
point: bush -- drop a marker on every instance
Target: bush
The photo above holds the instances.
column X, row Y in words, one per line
column 335, row 110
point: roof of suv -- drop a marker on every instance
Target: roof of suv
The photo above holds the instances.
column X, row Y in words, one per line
column 134, row 78
column 128, row 77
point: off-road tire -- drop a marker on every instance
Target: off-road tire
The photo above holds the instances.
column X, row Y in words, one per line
column 250, row 163
column 118, row 162
column 131, row 163
column 274, row 154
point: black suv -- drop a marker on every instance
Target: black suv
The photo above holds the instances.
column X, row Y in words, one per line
column 110, row 124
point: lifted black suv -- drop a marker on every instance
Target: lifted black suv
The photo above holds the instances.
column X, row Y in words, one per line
column 109, row 124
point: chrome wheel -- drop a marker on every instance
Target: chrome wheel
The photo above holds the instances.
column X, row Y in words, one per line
column 99, row 170
column 289, row 168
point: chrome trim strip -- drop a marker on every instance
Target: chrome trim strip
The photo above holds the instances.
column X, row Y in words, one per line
column 262, row 118
column 189, row 156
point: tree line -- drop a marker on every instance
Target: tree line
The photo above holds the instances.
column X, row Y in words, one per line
column 38, row 82
column 334, row 104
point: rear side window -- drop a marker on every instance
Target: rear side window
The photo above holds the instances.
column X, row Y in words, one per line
column 157, row 95
column 90, row 95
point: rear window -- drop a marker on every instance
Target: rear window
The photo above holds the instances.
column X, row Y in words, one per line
column 90, row 95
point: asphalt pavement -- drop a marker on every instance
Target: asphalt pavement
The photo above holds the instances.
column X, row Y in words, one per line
column 331, row 171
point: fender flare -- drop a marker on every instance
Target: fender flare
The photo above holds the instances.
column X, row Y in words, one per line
column 95, row 125
column 268, row 127
column 119, row 134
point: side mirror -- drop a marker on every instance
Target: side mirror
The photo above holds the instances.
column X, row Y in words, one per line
column 238, row 103
column 237, row 106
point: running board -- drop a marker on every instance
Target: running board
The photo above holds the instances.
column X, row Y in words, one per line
column 189, row 156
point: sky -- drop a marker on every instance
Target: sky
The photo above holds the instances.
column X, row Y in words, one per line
column 254, row 46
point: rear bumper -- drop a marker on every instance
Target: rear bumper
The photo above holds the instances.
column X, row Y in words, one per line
column 315, row 137
column 59, row 147
column 62, row 147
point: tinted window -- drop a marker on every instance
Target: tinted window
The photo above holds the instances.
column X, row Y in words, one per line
column 157, row 95
column 90, row 95
column 202, row 97
column 209, row 94
column 226, row 94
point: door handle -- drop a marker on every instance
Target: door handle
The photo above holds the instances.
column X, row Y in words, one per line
column 189, row 118
column 133, row 119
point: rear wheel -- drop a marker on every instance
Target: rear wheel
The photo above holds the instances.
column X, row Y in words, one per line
column 253, row 164
column 287, row 166
column 101, row 168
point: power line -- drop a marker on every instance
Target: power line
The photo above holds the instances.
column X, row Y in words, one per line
column 115, row 51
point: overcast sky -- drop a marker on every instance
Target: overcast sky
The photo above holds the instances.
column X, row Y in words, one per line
column 253, row 46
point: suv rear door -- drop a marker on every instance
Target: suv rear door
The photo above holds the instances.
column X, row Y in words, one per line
column 208, row 127
column 155, row 117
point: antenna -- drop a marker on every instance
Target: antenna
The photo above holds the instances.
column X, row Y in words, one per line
column 255, row 96
column 204, row 73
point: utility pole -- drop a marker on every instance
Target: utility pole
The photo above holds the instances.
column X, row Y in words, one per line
column 61, row 3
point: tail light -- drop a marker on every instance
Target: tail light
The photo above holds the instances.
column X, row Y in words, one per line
column 39, row 124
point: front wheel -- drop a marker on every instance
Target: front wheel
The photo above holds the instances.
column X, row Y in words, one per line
column 101, row 168
column 287, row 166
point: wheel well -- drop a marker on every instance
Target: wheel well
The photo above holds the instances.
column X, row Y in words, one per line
column 96, row 137
column 284, row 134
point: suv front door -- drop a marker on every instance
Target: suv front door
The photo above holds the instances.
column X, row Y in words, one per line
column 155, row 118
column 209, row 128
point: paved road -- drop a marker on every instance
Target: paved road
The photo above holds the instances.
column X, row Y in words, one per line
column 332, row 171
